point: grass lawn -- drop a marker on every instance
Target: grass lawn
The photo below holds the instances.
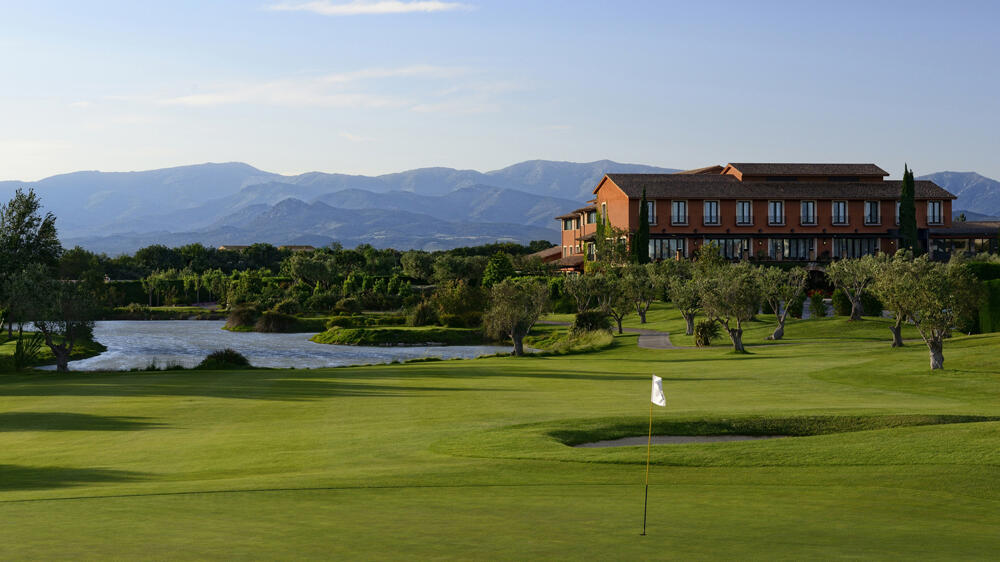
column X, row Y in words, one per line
column 469, row 459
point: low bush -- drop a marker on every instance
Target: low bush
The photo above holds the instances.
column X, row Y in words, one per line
column 348, row 321
column 276, row 322
column 423, row 314
column 400, row 336
column 224, row 359
column 817, row 304
column 841, row 304
column 561, row 343
column 795, row 306
column 349, row 304
column 390, row 320
column 590, row 321
column 706, row 331
column 288, row 306
column 242, row 318
column 871, row 305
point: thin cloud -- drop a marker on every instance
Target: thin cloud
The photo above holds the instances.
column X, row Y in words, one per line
column 329, row 91
column 368, row 7
column 354, row 138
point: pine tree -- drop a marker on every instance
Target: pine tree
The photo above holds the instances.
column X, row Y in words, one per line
column 908, row 213
column 640, row 242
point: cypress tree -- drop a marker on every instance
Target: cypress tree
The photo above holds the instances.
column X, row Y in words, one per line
column 599, row 237
column 640, row 242
column 908, row 213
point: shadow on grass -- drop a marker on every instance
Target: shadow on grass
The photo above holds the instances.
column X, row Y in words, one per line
column 263, row 385
column 59, row 421
column 15, row 477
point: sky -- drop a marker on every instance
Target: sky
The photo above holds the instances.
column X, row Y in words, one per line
column 382, row 86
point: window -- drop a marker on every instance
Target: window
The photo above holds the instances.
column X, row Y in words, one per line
column 578, row 224
column 872, row 213
column 730, row 248
column 604, row 212
column 776, row 212
column 666, row 248
column 934, row 212
column 744, row 212
column 565, row 253
column 591, row 251
column 807, row 213
column 567, row 224
column 854, row 247
column 710, row 213
column 897, row 212
column 577, row 249
column 591, row 217
column 678, row 212
column 840, row 212
column 790, row 248
column 651, row 211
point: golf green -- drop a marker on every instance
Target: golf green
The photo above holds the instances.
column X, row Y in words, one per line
column 473, row 458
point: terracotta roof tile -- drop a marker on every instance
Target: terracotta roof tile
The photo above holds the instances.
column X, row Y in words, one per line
column 668, row 186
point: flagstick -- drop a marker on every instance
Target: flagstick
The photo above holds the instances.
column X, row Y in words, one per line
column 649, row 443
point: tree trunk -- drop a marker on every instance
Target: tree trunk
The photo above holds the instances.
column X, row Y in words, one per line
column 897, row 332
column 642, row 315
column 936, row 348
column 689, row 318
column 736, row 334
column 779, row 332
column 618, row 319
column 856, row 309
column 518, row 344
column 61, row 354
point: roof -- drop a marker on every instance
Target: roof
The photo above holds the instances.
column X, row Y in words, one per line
column 668, row 186
column 706, row 170
column 548, row 254
column 977, row 229
column 805, row 169
column 586, row 209
column 568, row 216
column 571, row 261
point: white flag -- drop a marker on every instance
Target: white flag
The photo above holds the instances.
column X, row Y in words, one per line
column 658, row 398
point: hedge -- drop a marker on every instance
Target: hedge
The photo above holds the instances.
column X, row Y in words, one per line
column 989, row 312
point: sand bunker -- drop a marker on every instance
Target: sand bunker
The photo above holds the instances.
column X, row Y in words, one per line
column 677, row 440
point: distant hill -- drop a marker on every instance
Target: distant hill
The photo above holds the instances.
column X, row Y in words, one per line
column 976, row 194
column 294, row 221
column 156, row 205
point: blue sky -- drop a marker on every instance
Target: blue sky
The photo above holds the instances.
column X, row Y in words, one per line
column 387, row 85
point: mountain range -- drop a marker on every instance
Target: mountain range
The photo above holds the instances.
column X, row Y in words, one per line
column 427, row 208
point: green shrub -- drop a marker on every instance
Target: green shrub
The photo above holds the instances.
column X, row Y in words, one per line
column 871, row 305
column 985, row 271
column 390, row 320
column 766, row 308
column 399, row 336
column 841, row 304
column 345, row 321
column 348, row 304
column 473, row 319
column 321, row 301
column 706, row 331
column 224, row 359
column 275, row 322
column 452, row 320
column 423, row 314
column 817, row 304
column 796, row 305
column 590, row 321
column 242, row 317
column 288, row 306
column 27, row 349
column 989, row 311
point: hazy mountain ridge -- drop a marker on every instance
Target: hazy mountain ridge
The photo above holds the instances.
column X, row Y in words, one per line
column 976, row 193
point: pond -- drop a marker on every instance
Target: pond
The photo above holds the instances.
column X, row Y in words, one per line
column 137, row 344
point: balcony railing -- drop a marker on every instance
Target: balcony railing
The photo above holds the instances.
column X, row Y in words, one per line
column 807, row 219
column 777, row 220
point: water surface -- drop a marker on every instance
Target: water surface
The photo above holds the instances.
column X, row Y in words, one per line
column 137, row 344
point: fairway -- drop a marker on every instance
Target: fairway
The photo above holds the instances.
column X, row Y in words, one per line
column 472, row 458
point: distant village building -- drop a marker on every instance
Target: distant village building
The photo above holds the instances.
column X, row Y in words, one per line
column 770, row 211
column 232, row 248
column 298, row 248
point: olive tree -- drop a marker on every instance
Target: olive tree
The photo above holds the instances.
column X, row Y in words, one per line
column 65, row 316
column 584, row 289
column 612, row 298
column 641, row 285
column 935, row 296
column 515, row 305
column 686, row 296
column 892, row 275
column 853, row 277
column 730, row 295
column 27, row 237
column 779, row 288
